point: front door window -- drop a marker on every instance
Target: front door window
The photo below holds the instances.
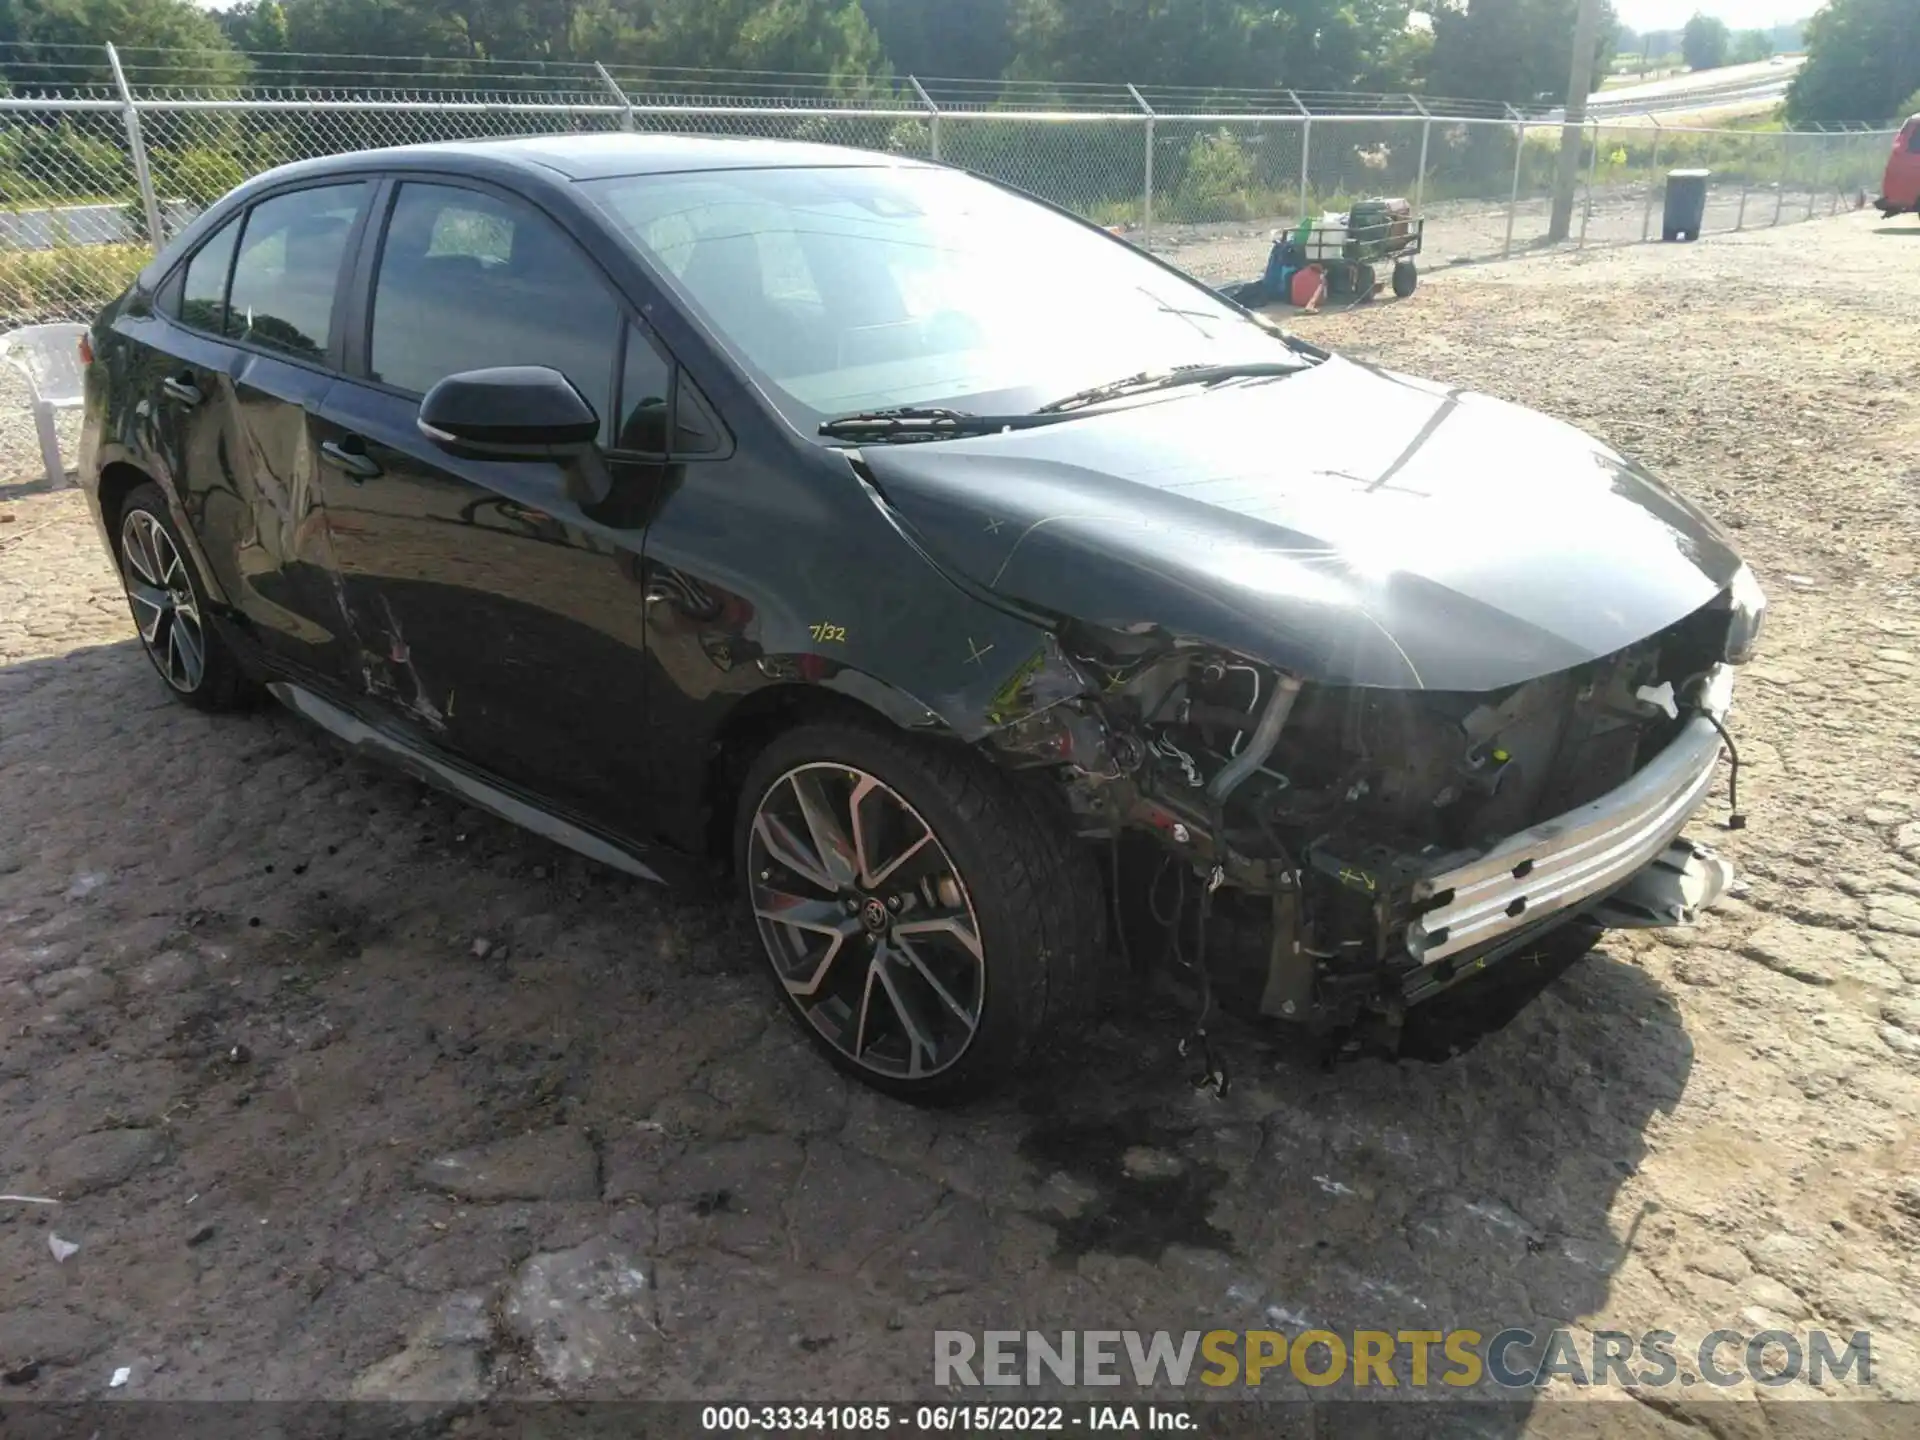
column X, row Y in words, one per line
column 470, row 280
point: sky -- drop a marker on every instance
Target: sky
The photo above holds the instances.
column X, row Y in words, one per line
column 1739, row 14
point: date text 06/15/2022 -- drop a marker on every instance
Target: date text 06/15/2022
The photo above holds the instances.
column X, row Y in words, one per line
column 942, row 1419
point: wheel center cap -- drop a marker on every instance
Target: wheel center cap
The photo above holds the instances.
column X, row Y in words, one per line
column 873, row 915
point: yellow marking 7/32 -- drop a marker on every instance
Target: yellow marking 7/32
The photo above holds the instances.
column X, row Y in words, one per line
column 829, row 634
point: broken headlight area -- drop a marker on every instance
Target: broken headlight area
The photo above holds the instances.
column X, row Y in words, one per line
column 1744, row 606
column 1364, row 850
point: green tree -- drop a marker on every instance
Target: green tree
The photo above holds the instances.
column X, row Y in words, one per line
column 256, row 25
column 161, row 42
column 972, row 41
column 1660, row 43
column 818, row 37
column 1302, row 44
column 371, row 27
column 1512, row 50
column 1750, row 46
column 1863, row 59
column 1703, row 42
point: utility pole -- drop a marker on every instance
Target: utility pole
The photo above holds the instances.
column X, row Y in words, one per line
column 1586, row 31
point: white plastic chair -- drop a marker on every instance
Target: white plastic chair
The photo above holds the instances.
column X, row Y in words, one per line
column 49, row 356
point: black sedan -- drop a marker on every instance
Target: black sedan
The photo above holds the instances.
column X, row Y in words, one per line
column 978, row 588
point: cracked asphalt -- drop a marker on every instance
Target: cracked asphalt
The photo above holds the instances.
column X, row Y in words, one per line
column 346, row 1091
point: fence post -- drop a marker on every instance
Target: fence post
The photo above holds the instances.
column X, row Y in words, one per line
column 1593, row 172
column 1780, row 193
column 619, row 96
column 1653, row 178
column 1426, row 133
column 137, row 147
column 1746, row 181
column 1813, row 184
column 1306, row 148
column 1146, row 184
column 933, row 112
column 1513, row 196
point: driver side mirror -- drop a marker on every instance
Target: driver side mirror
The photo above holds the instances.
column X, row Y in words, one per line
column 509, row 412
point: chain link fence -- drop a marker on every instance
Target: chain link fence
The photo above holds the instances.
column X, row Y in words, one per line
column 110, row 159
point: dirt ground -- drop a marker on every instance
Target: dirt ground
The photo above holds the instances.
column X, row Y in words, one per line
column 344, row 1090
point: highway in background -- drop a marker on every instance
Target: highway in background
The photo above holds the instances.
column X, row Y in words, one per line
column 1729, row 86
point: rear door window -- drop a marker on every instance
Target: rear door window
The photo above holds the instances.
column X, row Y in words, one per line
column 469, row 280
column 288, row 269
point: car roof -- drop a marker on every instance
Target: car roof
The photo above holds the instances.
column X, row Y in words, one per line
column 553, row 159
column 597, row 156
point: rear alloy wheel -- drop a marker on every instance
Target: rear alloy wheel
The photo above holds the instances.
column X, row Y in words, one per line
column 168, row 608
column 164, row 608
column 924, row 921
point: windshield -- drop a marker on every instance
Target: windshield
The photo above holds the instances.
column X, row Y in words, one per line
column 847, row 290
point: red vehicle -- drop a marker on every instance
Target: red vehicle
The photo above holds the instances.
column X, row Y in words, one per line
column 1900, row 187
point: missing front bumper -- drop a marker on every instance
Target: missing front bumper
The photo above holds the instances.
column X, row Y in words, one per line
column 1552, row 867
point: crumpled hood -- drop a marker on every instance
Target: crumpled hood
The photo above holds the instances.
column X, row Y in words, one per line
column 1349, row 524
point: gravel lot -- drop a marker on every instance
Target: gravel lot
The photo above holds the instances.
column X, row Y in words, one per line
column 347, row 1091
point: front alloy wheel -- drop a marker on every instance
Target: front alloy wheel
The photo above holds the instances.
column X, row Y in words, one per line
column 926, row 916
column 164, row 608
column 867, row 921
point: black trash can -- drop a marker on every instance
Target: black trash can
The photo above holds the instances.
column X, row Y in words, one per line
column 1686, row 204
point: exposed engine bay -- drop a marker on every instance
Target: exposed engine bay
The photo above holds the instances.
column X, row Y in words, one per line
column 1384, row 844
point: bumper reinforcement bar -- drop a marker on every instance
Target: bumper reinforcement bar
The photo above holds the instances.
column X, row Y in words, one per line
column 1554, row 865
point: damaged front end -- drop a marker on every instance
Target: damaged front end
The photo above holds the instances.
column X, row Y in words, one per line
column 1379, row 846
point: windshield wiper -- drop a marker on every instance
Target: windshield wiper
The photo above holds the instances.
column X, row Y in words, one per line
column 923, row 422
column 1149, row 380
column 938, row 422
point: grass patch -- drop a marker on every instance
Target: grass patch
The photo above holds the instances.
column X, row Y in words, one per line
column 70, row 282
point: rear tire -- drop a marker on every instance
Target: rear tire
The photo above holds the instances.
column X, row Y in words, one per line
column 169, row 607
column 925, row 919
column 1405, row 279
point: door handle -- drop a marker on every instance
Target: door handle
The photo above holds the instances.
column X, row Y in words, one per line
column 183, row 389
column 348, row 456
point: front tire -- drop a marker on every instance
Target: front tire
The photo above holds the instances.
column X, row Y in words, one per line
column 924, row 919
column 169, row 607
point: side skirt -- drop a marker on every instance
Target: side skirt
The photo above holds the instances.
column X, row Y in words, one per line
column 352, row 730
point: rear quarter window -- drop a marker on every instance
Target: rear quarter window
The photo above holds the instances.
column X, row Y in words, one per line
column 202, row 292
